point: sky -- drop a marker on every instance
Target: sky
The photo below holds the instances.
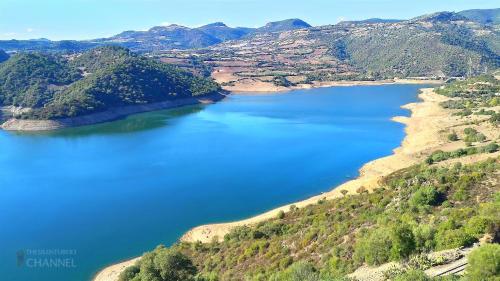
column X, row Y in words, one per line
column 88, row 19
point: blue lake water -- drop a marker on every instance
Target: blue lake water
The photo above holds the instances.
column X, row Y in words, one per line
column 112, row 191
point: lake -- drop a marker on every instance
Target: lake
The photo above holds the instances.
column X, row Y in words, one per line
column 87, row 197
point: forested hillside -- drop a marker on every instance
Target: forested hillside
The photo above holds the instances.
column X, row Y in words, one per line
column 103, row 78
column 415, row 211
column 486, row 16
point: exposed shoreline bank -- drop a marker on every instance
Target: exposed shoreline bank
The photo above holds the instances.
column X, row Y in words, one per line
column 13, row 124
column 422, row 135
column 268, row 88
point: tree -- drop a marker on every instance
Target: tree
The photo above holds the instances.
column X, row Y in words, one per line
column 453, row 137
column 478, row 226
column 425, row 196
column 162, row 264
column 484, row 263
column 344, row 192
column 403, row 242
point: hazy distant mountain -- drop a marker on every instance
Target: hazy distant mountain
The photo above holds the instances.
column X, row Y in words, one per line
column 157, row 38
column 440, row 17
column 284, row 25
column 162, row 37
column 222, row 32
column 371, row 21
column 486, row 16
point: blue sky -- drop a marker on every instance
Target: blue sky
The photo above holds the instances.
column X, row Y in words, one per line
column 86, row 19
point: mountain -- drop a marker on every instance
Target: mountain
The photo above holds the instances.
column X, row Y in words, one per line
column 222, row 32
column 44, row 45
column 98, row 80
column 370, row 21
column 162, row 37
column 486, row 16
column 158, row 38
column 284, row 25
column 440, row 17
column 3, row 56
column 436, row 45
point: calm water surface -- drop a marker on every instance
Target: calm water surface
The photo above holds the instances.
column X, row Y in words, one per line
column 112, row 191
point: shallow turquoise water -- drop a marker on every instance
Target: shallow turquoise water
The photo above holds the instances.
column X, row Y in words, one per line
column 112, row 191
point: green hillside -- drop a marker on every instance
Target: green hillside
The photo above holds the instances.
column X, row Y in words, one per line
column 484, row 16
column 98, row 80
column 30, row 79
column 416, row 210
column 435, row 45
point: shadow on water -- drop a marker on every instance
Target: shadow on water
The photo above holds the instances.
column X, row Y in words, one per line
column 129, row 124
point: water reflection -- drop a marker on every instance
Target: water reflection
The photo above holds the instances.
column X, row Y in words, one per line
column 130, row 124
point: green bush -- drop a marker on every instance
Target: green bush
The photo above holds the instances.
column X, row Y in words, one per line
column 300, row 271
column 484, row 263
column 478, row 226
column 453, row 137
column 453, row 238
column 162, row 264
column 425, row 196
column 385, row 244
column 412, row 275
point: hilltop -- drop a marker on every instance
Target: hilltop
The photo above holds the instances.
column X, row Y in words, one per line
column 51, row 87
column 485, row 16
column 157, row 38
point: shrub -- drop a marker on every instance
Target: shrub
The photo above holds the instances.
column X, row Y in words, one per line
column 403, row 242
column 162, row 264
column 453, row 238
column 425, row 196
column 300, row 271
column 453, row 137
column 484, row 263
column 385, row 244
column 490, row 148
column 281, row 215
column 477, row 226
column 412, row 275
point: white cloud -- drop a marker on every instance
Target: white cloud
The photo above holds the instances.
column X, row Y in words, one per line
column 29, row 29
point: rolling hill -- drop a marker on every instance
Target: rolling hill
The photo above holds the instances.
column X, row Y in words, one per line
column 485, row 16
column 54, row 87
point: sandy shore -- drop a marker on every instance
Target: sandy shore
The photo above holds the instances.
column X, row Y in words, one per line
column 113, row 272
column 257, row 86
column 14, row 124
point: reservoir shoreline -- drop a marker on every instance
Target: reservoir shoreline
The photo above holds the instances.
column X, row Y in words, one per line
column 14, row 124
column 422, row 135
